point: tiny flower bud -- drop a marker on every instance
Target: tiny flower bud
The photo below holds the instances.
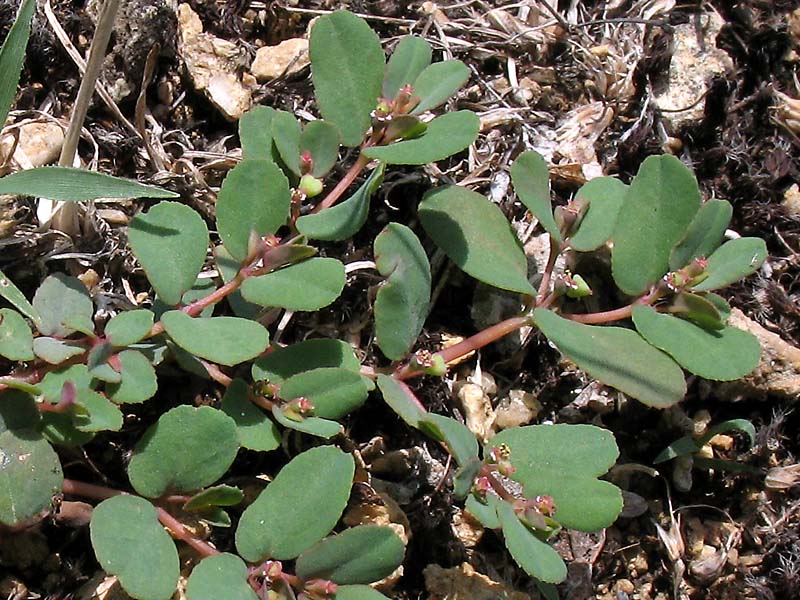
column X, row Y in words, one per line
column 429, row 363
column 481, row 486
column 504, row 467
column 306, row 162
column 500, row 453
column 310, row 186
column 545, row 505
column 320, row 589
column 383, row 109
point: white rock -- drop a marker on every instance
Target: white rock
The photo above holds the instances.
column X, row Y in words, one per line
column 478, row 411
column 288, row 57
column 39, row 144
column 519, row 408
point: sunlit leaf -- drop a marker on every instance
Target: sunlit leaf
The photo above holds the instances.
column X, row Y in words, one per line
column 17, row 299
column 286, row 137
column 129, row 327
column 321, row 141
column 12, row 55
column 410, row 57
column 255, row 133
column 255, row 429
column 283, row 363
column 308, row 285
column 733, row 261
column 704, row 235
column 64, row 306
column 16, row 339
column 606, row 196
column 531, row 179
column 311, row 425
column 438, row 82
column 220, row 576
column 334, row 392
column 224, row 340
column 138, row 382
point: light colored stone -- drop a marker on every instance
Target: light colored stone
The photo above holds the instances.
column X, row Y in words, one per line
column 288, row 57
column 212, row 64
column 518, row 408
column 478, row 410
column 791, row 200
column 102, row 587
column 465, row 582
column 467, row 528
column 39, row 144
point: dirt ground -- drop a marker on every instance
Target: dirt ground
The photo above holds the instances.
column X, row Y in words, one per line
column 595, row 87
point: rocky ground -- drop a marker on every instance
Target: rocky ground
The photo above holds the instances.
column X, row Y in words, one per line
column 595, row 87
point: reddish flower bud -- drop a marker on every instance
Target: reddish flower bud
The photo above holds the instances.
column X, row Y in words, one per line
column 306, row 162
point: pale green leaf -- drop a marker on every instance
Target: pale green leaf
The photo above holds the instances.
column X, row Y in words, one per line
column 220, row 576
column 311, row 425
column 218, row 495
column 283, row 363
column 401, row 400
column 308, row 285
column 704, row 235
column 129, row 327
column 54, row 351
column 531, row 179
column 17, row 299
column 410, row 57
column 334, row 392
column 64, row 306
column 321, row 141
column 732, row 261
column 357, row 592
column 438, row 82
column 224, row 340
column 16, row 339
column 138, row 382
column 605, row 196
column 255, row 429
column 94, row 412
column 286, row 137
column 255, row 133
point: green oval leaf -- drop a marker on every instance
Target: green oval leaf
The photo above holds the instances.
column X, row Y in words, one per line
column 255, row 133
column 219, row 495
column 401, row 400
column 311, row 425
column 138, row 379
column 174, row 231
column 446, row 135
column 704, row 235
column 68, row 184
column 299, row 507
column 359, row 555
column 55, row 351
column 347, row 66
column 224, row 340
column 283, row 363
column 286, row 137
column 564, row 462
column 723, row 355
column 402, row 303
column 605, row 196
column 459, row 439
column 617, row 357
column 255, row 429
column 130, row 543
column 254, row 197
column 17, row 299
column 358, row 592
column 410, row 57
column 16, row 339
column 343, row 220
column 333, row 392
column 485, row 513
column 188, row 448
column 437, row 82
column 30, row 475
column 321, row 140
column 733, row 261
column 537, row 558
column 64, row 305
column 531, row 179
column 220, row 576
column 12, row 55
column 94, row 412
column 308, row 285
column 129, row 327
column 698, row 309
column 660, row 205
column 476, row 236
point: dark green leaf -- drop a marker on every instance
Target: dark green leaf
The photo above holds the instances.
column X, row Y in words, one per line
column 459, row 439
column 256, row 430
column 53, row 382
column 531, row 179
column 343, row 220
column 358, row 592
column 476, row 236
column 697, row 309
column 742, row 425
column 12, row 55
column 347, row 66
column 286, row 137
column 255, row 133
column 18, row 411
column 564, row 461
column 17, row 299
column 220, row 576
column 298, row 508
column 59, row 428
column 438, row 82
column 722, row 355
column 254, row 197
column 410, row 57
column 30, row 475
column 129, row 327
column 333, row 392
column 308, row 285
column 170, row 241
column 55, row 351
column 188, row 448
column 64, row 306
column 138, row 381
column 16, row 339
column 617, row 357
column 130, row 543
column 719, row 303
column 446, row 135
column 311, row 425
column 68, row 184
column 660, row 205
column 359, row 555
column 219, row 495
column 464, row 478
column 94, row 412
column 321, row 140
column 733, row 261
column 606, row 196
column 283, row 363
column 680, row 447
column 704, row 235
column 224, row 340
column 401, row 400
column 402, row 303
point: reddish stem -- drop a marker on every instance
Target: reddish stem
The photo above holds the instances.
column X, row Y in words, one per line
column 618, row 313
column 216, row 373
column 183, row 534
column 342, row 186
column 89, row 490
column 548, row 271
column 497, row 485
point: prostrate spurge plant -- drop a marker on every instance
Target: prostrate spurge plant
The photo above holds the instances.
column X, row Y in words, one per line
column 74, row 372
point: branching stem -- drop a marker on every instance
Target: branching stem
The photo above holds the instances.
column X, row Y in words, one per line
column 341, row 187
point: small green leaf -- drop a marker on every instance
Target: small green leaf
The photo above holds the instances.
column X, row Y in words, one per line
column 97, row 361
column 719, row 303
column 286, row 137
column 459, row 439
column 219, row 495
column 308, row 285
column 697, row 309
column 129, row 327
column 283, row 363
column 343, row 220
column 321, row 140
column 170, row 241
column 220, row 576
column 564, row 461
column 410, row 57
column 17, row 299
column 485, row 513
column 255, row 133
column 311, row 425
column 723, row 355
column 537, row 558
column 446, row 135
column 224, row 340
column 704, row 235
column 12, row 55
column 476, row 236
column 732, row 261
column 437, row 83
column 606, row 196
column 680, row 447
column 18, row 410
column 357, row 592
column 30, row 475
column 254, row 197
column 59, row 428
column 689, row 445
column 188, row 448
column 402, row 303
column 94, row 412
column 298, row 508
column 359, row 555
column 52, row 383
column 55, row 351
column 138, row 381
column 256, row 430
column 531, row 179
column 16, row 339
column 347, row 65
column 333, row 392
column 64, row 306
column 660, row 205
column 617, row 357
column 401, row 400
column 130, row 543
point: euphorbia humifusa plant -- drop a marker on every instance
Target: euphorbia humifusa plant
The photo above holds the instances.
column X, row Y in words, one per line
column 76, row 373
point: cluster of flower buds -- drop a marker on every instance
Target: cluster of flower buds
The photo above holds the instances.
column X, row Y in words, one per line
column 574, row 286
column 318, row 589
column 688, row 276
column 499, row 458
column 297, row 409
column 536, row 512
column 428, row 363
